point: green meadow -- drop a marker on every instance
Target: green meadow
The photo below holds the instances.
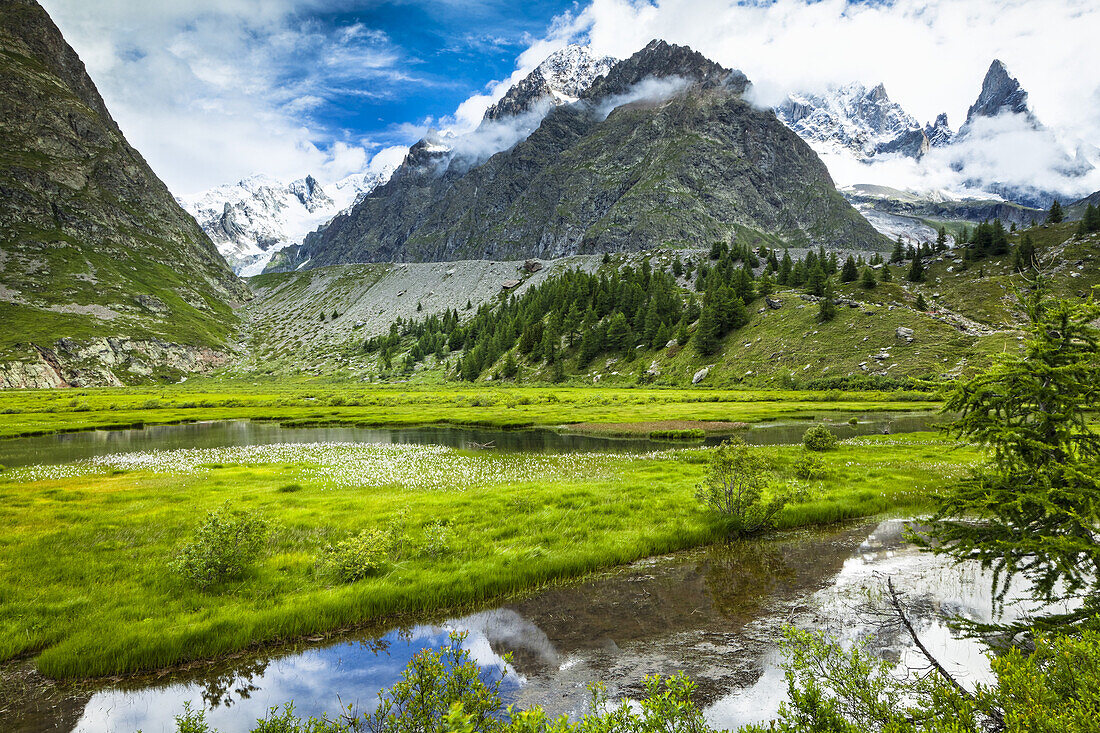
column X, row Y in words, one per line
column 86, row 587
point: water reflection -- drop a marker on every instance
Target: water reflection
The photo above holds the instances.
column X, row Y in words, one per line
column 714, row 614
column 70, row 447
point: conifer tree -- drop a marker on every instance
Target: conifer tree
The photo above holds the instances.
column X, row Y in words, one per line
column 921, row 304
column 867, row 279
column 826, row 308
column 849, row 273
column 941, row 239
column 706, row 333
column 815, row 280
column 886, row 276
column 1032, row 511
column 916, row 270
column 1055, row 215
column 1023, row 257
column 899, row 251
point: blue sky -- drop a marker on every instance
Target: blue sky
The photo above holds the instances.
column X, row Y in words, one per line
column 211, row 91
column 448, row 52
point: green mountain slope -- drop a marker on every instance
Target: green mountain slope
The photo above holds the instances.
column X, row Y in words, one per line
column 105, row 278
column 687, row 167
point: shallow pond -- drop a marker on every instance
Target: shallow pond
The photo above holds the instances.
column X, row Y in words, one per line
column 70, row 447
column 714, row 613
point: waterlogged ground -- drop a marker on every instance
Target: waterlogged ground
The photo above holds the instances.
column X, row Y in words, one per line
column 715, row 614
column 354, row 465
column 88, row 592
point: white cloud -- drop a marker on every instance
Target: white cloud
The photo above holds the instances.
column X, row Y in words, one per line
column 931, row 54
column 212, row 91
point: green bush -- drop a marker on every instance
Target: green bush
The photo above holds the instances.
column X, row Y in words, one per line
column 436, row 539
column 734, row 486
column 809, row 466
column 224, row 546
column 357, row 557
column 818, row 438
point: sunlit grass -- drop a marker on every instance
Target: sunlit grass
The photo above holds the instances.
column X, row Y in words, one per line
column 85, row 583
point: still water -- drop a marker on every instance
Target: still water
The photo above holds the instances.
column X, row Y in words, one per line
column 714, row 613
column 71, row 447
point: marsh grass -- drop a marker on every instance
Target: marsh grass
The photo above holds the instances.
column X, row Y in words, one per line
column 86, row 585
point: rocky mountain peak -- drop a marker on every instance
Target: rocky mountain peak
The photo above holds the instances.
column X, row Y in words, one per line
column 559, row 79
column 660, row 60
column 939, row 133
column 1000, row 93
column 864, row 121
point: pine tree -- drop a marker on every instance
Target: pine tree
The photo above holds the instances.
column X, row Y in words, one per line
column 867, row 279
column 815, row 280
column 886, row 276
column 849, row 273
column 1055, row 215
column 826, row 308
column 899, row 251
column 941, row 239
column 1032, row 511
column 916, row 270
column 921, row 305
column 682, row 334
column 1023, row 257
column 618, row 334
column 706, row 333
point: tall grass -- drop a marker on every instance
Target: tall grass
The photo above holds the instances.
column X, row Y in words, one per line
column 86, row 587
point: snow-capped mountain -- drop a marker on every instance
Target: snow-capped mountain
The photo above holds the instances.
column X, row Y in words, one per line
column 252, row 219
column 559, row 79
column 865, row 122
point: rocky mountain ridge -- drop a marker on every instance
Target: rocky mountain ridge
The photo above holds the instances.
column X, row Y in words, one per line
column 92, row 243
column 251, row 220
column 560, row 79
column 660, row 150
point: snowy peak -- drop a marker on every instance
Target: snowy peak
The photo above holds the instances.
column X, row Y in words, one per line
column 863, row 121
column 939, row 133
column 252, row 219
column 1001, row 93
column 559, row 79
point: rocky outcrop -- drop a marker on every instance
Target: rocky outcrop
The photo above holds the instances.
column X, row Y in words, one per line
column 108, row 362
column 560, row 79
column 661, row 149
column 1001, row 94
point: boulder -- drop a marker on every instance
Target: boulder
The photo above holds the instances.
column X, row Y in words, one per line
column 509, row 284
column 773, row 303
column 904, row 334
column 700, row 375
column 532, row 265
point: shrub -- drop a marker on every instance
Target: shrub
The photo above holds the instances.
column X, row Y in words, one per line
column 818, row 438
column 357, row 557
column 223, row 547
column 809, row 466
column 289, row 488
column 436, row 539
column 734, row 486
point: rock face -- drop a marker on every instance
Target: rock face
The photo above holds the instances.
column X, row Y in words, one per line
column 560, row 79
column 863, row 121
column 939, row 133
column 251, row 220
column 662, row 149
column 1001, row 94
column 108, row 362
column 92, row 243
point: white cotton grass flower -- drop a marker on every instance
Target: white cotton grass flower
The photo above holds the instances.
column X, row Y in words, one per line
column 366, row 465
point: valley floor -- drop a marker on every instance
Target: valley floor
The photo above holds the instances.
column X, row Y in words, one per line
column 88, row 592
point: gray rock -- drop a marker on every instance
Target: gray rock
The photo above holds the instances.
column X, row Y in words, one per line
column 773, row 303
column 532, row 265
column 700, row 375
column 904, row 334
